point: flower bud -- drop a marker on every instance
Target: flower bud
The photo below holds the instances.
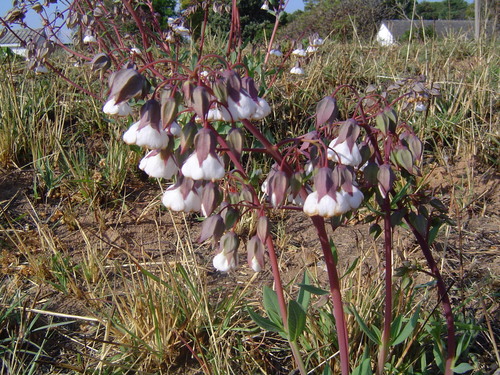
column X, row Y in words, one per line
column 188, row 133
column 327, row 111
column 235, row 141
column 211, row 198
column 263, row 228
column 212, row 226
column 255, row 253
column 125, row 84
column 385, row 178
column 100, row 63
column 200, row 101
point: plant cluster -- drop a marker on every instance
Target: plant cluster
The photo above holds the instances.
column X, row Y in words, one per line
column 198, row 123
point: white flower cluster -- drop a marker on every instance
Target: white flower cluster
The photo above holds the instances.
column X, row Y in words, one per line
column 314, row 42
column 336, row 200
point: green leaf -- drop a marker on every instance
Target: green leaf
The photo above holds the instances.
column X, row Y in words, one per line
column 314, row 290
column 462, row 367
column 408, row 329
column 296, row 320
column 433, row 232
column 375, row 230
column 370, row 332
column 364, row 368
column 396, row 325
column 327, row 370
column 351, row 268
column 264, row 323
column 304, row 296
column 400, row 194
column 271, row 305
column 334, row 251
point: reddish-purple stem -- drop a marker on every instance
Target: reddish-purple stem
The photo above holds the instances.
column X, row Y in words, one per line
column 338, row 308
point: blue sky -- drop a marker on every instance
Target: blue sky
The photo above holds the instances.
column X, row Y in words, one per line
column 293, row 5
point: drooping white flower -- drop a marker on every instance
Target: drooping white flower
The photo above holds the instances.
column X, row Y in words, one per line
column 341, row 153
column 174, row 199
column 159, row 164
column 327, row 206
column 87, row 39
column 297, row 70
column 311, row 49
column 175, row 129
column 299, row 52
column 212, row 168
column 265, row 6
column 355, row 199
column 276, row 52
column 136, row 51
column 262, row 109
column 41, row 69
column 120, row 109
column 244, row 109
column 420, row 107
column 224, row 262
column 180, row 29
column 317, row 42
column 147, row 136
column 216, row 114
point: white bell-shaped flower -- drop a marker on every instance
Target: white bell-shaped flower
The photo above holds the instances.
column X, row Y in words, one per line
column 341, row 153
column 120, row 109
column 159, row 164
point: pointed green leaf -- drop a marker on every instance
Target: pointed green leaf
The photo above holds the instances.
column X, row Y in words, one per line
column 264, row 323
column 370, row 332
column 408, row 329
column 304, row 296
column 462, row 367
column 314, row 290
column 364, row 368
column 271, row 305
column 296, row 320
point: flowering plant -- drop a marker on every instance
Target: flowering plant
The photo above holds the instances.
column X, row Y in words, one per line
column 364, row 155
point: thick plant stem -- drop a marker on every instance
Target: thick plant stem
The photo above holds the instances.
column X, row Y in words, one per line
column 386, row 334
column 282, row 304
column 338, row 308
column 443, row 295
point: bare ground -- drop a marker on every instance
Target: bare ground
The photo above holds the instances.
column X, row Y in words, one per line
column 138, row 227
